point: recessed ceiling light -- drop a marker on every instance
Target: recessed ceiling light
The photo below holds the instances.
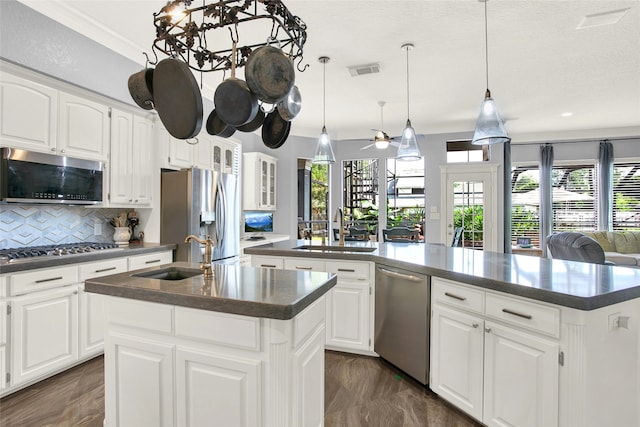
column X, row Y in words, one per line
column 602, row 18
column 567, row 114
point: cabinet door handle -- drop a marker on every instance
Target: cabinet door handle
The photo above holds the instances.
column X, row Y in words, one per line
column 48, row 280
column 475, row 325
column 267, row 266
column 152, row 261
column 454, row 296
column 515, row 313
column 347, row 270
column 104, row 269
column 487, row 330
column 300, row 267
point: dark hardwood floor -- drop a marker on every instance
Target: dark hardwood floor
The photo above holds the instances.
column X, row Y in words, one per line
column 359, row 391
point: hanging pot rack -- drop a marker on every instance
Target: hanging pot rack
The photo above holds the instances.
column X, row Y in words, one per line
column 184, row 36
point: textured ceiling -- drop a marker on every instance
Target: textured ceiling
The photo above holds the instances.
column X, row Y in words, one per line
column 540, row 65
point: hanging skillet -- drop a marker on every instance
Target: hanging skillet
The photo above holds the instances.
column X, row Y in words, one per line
column 177, row 98
column 234, row 101
column 270, row 74
column 215, row 126
column 275, row 130
column 141, row 88
column 254, row 124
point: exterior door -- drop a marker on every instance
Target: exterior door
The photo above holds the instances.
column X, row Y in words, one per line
column 468, row 200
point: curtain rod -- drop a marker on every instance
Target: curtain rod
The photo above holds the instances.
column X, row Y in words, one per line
column 574, row 141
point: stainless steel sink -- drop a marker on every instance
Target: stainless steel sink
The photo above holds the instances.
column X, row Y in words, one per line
column 171, row 273
column 336, row 248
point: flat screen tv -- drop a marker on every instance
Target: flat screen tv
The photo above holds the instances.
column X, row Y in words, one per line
column 258, row 222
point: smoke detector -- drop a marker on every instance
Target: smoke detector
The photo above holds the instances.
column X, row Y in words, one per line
column 361, row 70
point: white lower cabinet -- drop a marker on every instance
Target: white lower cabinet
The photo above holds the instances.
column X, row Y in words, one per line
column 171, row 365
column 520, row 378
column 214, row 389
column 350, row 311
column 48, row 322
column 3, row 338
column 92, row 306
column 44, row 332
column 138, row 382
column 499, row 374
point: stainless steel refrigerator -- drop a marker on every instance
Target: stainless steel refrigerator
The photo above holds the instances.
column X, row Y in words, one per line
column 200, row 202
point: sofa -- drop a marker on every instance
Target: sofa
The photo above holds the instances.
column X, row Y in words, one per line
column 620, row 247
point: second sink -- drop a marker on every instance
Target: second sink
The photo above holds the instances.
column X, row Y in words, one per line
column 171, row 273
column 336, row 248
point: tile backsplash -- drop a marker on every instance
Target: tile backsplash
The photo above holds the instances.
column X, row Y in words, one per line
column 36, row 225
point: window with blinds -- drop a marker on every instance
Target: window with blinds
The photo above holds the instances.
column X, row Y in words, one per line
column 626, row 196
column 525, row 204
column 574, row 198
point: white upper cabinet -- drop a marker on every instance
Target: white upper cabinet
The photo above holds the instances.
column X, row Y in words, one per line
column 28, row 114
column 40, row 118
column 131, row 169
column 259, row 182
column 84, row 128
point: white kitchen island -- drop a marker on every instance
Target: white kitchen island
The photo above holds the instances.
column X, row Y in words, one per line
column 243, row 349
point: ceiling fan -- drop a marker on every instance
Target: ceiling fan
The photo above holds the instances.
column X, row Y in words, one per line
column 381, row 139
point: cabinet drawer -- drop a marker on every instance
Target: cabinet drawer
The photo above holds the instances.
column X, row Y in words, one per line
column 349, row 270
column 150, row 260
column 304, row 264
column 91, row 270
column 450, row 293
column 267, row 262
column 37, row 280
column 221, row 328
column 140, row 314
column 530, row 315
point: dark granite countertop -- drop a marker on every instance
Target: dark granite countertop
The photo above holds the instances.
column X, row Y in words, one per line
column 577, row 285
column 55, row 261
column 248, row 291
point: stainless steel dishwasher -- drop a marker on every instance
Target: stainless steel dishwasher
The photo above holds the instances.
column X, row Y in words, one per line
column 402, row 320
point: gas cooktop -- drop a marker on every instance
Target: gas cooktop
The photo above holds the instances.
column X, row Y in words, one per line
column 28, row 253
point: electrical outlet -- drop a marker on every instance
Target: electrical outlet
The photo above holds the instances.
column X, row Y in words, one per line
column 97, row 228
column 613, row 321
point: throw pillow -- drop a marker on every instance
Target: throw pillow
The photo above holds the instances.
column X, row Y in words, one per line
column 627, row 243
column 603, row 238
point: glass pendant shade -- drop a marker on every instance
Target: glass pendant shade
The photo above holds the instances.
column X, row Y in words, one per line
column 489, row 126
column 408, row 149
column 324, row 152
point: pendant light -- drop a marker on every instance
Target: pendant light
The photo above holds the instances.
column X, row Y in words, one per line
column 489, row 126
column 408, row 148
column 324, row 152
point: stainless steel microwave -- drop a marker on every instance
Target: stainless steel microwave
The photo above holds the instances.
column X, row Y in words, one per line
column 32, row 177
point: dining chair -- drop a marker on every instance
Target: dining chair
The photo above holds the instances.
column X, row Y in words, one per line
column 401, row 234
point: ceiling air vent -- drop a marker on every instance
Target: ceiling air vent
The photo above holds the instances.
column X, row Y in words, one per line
column 360, row 70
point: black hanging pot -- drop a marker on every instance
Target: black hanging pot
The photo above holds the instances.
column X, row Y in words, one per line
column 177, row 98
column 215, row 126
column 290, row 105
column 234, row 101
column 254, row 124
column 270, row 74
column 275, row 130
column 141, row 88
